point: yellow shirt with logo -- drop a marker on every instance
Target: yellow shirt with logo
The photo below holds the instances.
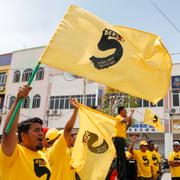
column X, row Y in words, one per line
column 175, row 171
column 143, row 163
column 155, row 158
column 120, row 128
column 24, row 164
column 59, row 159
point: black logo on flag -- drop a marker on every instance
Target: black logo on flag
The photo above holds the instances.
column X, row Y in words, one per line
column 90, row 138
column 109, row 40
column 155, row 119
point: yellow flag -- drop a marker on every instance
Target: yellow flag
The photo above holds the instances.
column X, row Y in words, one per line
column 153, row 120
column 93, row 151
column 129, row 60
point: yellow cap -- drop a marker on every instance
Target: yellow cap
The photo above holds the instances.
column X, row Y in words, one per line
column 61, row 132
column 143, row 142
column 52, row 134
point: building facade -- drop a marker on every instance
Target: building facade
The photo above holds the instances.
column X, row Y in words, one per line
column 5, row 61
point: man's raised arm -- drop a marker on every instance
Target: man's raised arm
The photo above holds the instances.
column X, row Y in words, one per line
column 70, row 124
column 9, row 140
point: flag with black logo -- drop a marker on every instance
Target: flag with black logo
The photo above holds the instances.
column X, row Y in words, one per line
column 94, row 150
column 152, row 119
column 129, row 60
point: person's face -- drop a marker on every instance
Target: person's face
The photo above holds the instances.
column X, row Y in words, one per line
column 176, row 148
column 143, row 148
column 123, row 112
column 71, row 140
column 151, row 146
column 34, row 138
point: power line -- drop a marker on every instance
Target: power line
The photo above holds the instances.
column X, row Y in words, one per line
column 165, row 16
column 174, row 54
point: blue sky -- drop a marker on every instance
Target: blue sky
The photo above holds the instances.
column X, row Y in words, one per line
column 31, row 23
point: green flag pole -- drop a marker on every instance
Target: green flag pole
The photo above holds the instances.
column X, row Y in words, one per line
column 8, row 128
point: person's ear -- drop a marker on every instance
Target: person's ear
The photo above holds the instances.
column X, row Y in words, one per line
column 23, row 135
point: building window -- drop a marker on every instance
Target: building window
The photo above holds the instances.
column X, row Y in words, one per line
column 62, row 102
column 176, row 97
column 152, row 105
column 40, row 74
column 145, row 103
column 139, row 102
column 11, row 101
column 26, row 103
column 26, row 75
column 16, row 77
column 2, row 79
column 160, row 103
column 36, row 101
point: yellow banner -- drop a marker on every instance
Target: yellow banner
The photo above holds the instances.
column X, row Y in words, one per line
column 153, row 120
column 94, row 150
column 129, row 60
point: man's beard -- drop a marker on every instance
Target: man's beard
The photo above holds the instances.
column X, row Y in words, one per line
column 39, row 147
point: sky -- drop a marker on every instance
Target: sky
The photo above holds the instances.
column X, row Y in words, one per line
column 31, row 23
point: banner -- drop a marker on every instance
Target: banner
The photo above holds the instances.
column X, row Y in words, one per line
column 94, row 150
column 153, row 120
column 131, row 61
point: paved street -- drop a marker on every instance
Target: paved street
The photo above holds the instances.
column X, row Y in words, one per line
column 166, row 176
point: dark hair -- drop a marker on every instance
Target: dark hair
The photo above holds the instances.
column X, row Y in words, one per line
column 120, row 108
column 150, row 141
column 24, row 126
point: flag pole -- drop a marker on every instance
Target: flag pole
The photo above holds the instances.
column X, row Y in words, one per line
column 8, row 128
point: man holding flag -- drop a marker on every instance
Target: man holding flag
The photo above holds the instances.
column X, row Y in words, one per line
column 122, row 123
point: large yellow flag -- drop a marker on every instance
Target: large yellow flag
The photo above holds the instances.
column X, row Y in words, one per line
column 93, row 151
column 153, row 120
column 129, row 60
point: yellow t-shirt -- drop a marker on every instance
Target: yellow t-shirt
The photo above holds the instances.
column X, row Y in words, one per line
column 120, row 127
column 59, row 159
column 24, row 164
column 155, row 158
column 175, row 171
column 143, row 163
column 128, row 155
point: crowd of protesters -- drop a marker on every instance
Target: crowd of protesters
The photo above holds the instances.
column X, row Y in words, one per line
column 35, row 152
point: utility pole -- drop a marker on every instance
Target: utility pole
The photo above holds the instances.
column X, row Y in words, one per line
column 84, row 90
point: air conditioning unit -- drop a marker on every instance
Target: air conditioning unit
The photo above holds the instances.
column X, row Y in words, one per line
column 57, row 112
column 174, row 111
column 48, row 112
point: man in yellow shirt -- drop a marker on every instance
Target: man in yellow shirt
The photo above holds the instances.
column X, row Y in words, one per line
column 174, row 161
column 24, row 160
column 59, row 153
column 156, row 160
column 143, row 159
column 122, row 123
